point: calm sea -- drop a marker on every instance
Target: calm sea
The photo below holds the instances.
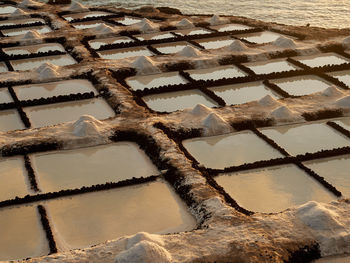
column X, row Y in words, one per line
column 324, row 13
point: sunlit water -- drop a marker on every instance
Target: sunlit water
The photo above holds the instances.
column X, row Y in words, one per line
column 323, row 13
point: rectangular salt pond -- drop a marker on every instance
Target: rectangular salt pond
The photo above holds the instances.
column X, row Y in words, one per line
column 33, row 49
column 13, row 178
column 214, row 43
column 7, row 9
column 3, row 67
column 168, row 48
column 22, row 235
column 242, row 93
column 177, row 100
column 321, row 60
column 125, row 53
column 193, row 31
column 267, row 67
column 97, row 43
column 228, row 150
column 302, row 85
column 46, row 115
column 216, row 73
column 93, row 218
column 335, row 170
column 10, row 120
column 260, row 37
column 89, row 166
column 24, row 30
column 154, row 36
column 50, row 89
column 230, row 27
column 33, row 63
column 273, row 189
column 5, row 96
column 83, row 15
column 155, row 80
column 306, row 138
column 343, row 76
column 26, row 21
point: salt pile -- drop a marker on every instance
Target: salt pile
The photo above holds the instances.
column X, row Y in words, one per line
column 185, row 23
column 343, row 102
column 284, row 42
column 190, row 52
column 145, row 65
column 102, row 29
column 346, row 42
column 332, row 91
column 77, row 7
column 31, row 35
column 19, row 13
column 47, row 71
column 146, row 26
column 213, row 125
column 200, row 110
column 217, row 20
column 237, row 46
column 282, row 113
column 86, row 125
column 268, row 101
column 144, row 252
column 26, row 3
column 327, row 225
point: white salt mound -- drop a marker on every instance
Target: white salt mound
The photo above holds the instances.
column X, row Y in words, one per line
column 141, row 236
column 190, row 52
column 86, row 125
column 47, row 71
column 237, row 46
column 102, row 29
column 32, row 34
column 346, row 42
column 327, row 225
column 26, row 3
column 77, row 7
column 332, row 91
column 145, row 65
column 268, row 101
column 213, row 125
column 146, row 25
column 284, row 42
column 200, row 110
column 343, row 102
column 144, row 252
column 282, row 113
column 185, row 23
column 217, row 20
column 19, row 13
